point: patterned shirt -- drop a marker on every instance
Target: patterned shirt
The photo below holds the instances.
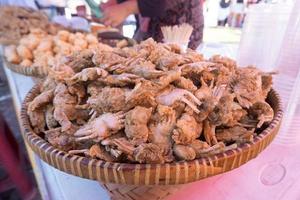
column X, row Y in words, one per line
column 169, row 13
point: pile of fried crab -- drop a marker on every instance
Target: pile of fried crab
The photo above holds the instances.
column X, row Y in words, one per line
column 150, row 103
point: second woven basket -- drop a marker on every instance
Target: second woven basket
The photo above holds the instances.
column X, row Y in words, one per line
column 34, row 71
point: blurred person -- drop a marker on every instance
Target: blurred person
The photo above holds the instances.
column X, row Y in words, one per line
column 23, row 3
column 153, row 14
column 249, row 2
column 237, row 13
column 224, row 11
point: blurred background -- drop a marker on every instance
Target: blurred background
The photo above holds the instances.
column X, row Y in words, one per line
column 250, row 31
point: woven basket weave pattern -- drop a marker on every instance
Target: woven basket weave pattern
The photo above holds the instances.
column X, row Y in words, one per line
column 133, row 192
column 34, row 71
column 150, row 174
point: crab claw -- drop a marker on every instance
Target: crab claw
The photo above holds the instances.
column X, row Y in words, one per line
column 88, row 74
column 190, row 104
column 185, row 96
column 210, row 133
column 248, row 123
column 114, row 121
column 127, row 77
column 263, row 119
column 91, row 112
column 115, row 67
column 101, row 127
column 219, row 90
column 192, row 96
column 101, row 72
column 134, row 90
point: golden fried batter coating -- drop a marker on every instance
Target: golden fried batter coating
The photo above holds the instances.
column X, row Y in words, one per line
column 150, row 103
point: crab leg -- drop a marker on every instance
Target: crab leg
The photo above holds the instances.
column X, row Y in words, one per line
column 115, row 121
column 209, row 133
column 120, row 114
column 94, row 115
column 91, row 112
column 196, row 100
column 129, row 94
column 218, row 91
column 83, row 132
column 249, row 125
column 203, row 83
column 92, row 136
column 114, row 67
column 264, row 119
column 243, row 101
column 124, row 146
column 101, row 127
column 62, row 118
column 190, row 104
column 84, row 106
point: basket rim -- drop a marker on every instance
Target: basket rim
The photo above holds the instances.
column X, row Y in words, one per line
column 27, row 71
column 129, row 166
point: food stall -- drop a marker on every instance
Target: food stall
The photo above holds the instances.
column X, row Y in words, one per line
column 232, row 172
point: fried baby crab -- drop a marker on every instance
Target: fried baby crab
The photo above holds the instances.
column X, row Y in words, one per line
column 117, row 148
column 161, row 126
column 170, row 95
column 143, row 94
column 109, row 99
column 146, row 70
column 107, row 58
column 88, row 74
column 251, row 85
column 120, row 80
column 143, row 153
column 150, row 103
column 36, row 109
column 60, row 72
column 114, row 99
column 209, row 98
column 140, row 67
column 197, row 70
column 227, row 111
column 199, row 149
column 101, row 127
column 95, row 151
column 186, row 130
column 236, row 134
column 65, row 107
column 262, row 112
column 136, row 124
column 61, row 139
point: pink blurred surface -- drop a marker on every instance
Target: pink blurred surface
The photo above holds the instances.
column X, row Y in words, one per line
column 274, row 174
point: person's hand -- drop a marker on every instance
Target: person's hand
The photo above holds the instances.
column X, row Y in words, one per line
column 108, row 3
column 115, row 15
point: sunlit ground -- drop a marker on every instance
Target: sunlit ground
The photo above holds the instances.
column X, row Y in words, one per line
column 221, row 35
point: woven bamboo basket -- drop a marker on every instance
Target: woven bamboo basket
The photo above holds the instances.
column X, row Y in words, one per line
column 148, row 181
column 33, row 71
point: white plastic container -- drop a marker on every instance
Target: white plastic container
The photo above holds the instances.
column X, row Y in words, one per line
column 288, row 80
column 271, row 41
column 262, row 35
